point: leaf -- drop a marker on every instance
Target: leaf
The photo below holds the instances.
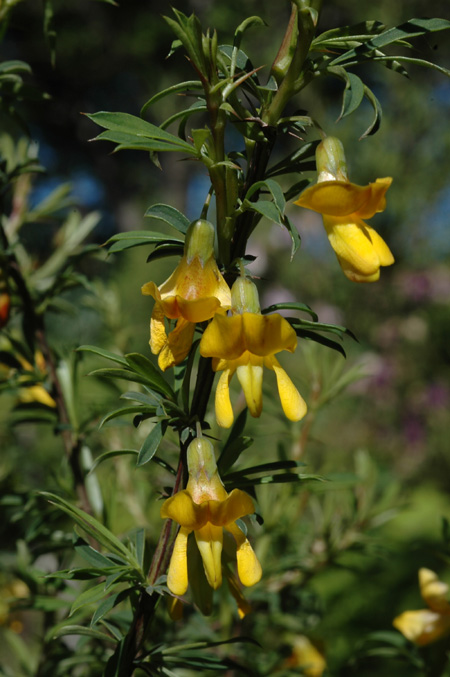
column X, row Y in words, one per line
column 323, row 340
column 124, row 374
column 142, row 365
column 138, row 238
column 127, row 410
column 103, row 353
column 14, row 66
column 112, row 454
column 409, row 29
column 151, row 443
column 187, row 86
column 77, row 630
column 109, row 603
column 290, row 305
column 375, row 125
column 281, row 478
column 124, row 123
column 170, row 215
column 227, row 456
column 164, row 250
column 353, row 94
column 92, row 527
column 295, row 237
column 89, row 596
column 275, row 190
column 95, row 558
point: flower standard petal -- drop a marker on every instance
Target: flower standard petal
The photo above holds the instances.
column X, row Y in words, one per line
column 377, row 200
column 336, row 198
column 209, row 541
column 181, row 509
column 268, row 334
column 294, row 406
column 177, row 576
column 223, row 337
column 422, row 626
column 249, row 568
column 236, row 505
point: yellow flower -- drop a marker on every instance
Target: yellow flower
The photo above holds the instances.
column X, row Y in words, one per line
column 193, row 293
column 427, row 625
column 244, row 343
column 206, row 509
column 344, row 205
column 306, row 657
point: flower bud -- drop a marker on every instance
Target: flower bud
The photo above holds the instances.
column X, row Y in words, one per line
column 200, row 459
column 244, row 297
column 199, row 241
column 330, row 160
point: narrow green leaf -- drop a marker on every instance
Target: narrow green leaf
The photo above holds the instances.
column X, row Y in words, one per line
column 79, row 630
column 265, row 208
column 91, row 555
column 154, row 379
column 187, row 86
column 353, row 95
column 103, row 353
column 170, row 215
column 112, row 454
column 138, row 238
column 125, row 411
column 275, row 190
column 143, row 398
column 124, row 374
column 108, row 604
column 151, row 443
column 323, row 340
column 295, row 237
column 136, row 127
column 89, row 596
column 91, row 526
column 164, row 250
column 376, row 122
column 291, row 305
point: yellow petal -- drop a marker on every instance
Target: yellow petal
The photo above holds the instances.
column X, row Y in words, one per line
column 434, row 592
column 158, row 335
column 175, row 608
column 352, row 244
column 335, row 198
column 380, row 246
column 294, row 406
column 306, row 657
column 423, row 626
column 198, row 310
column 268, row 334
column 249, row 568
column 236, row 505
column 36, row 393
column 209, row 541
column 224, row 410
column 182, row 509
column 178, row 344
column 150, row 289
column 250, row 377
column 177, row 576
column 223, row 337
column 377, row 200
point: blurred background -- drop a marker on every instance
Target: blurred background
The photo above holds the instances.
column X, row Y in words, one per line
column 379, row 421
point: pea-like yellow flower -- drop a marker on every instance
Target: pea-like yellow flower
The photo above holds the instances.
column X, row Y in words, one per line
column 244, row 343
column 206, row 509
column 193, row 293
column 306, row 657
column 427, row 625
column 344, row 206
